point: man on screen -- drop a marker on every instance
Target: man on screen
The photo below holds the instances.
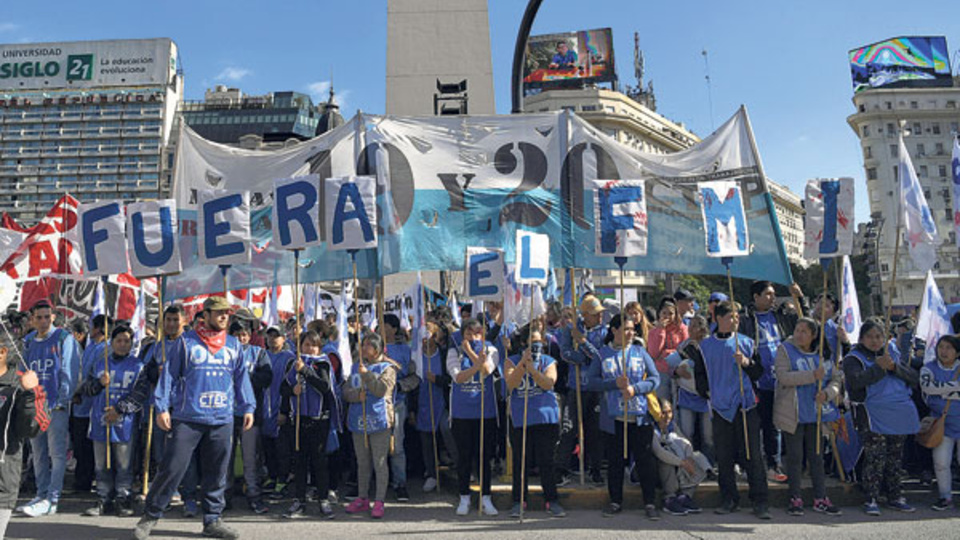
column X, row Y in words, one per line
column 565, row 58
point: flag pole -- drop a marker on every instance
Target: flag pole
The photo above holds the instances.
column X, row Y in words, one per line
column 576, row 346
column 163, row 357
column 106, row 359
column 482, row 402
column 356, row 314
column 823, row 330
column 893, row 282
column 621, row 261
column 736, row 343
column 433, row 422
column 296, row 334
column 526, row 403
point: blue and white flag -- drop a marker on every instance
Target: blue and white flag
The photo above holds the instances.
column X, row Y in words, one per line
column 138, row 322
column 568, row 287
column 918, row 223
column 955, row 170
column 850, row 311
column 99, row 301
column 343, row 344
column 419, row 326
column 550, row 292
column 933, row 320
column 454, row 306
column 271, row 308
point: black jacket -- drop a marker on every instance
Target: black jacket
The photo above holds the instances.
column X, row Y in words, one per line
column 22, row 414
column 786, row 322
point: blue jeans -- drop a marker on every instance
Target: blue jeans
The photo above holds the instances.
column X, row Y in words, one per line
column 213, row 443
column 689, row 421
column 50, row 456
column 398, row 461
column 116, row 481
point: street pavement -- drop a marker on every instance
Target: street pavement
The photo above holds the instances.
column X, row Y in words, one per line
column 435, row 519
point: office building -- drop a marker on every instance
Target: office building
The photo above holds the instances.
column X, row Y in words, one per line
column 88, row 118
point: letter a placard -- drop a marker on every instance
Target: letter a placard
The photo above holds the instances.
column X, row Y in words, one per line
column 620, row 214
column 533, row 258
column 724, row 220
column 351, row 212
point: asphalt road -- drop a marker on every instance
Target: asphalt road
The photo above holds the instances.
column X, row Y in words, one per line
column 436, row 519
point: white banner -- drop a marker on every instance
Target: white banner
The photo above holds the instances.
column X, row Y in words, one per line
column 351, row 212
column 724, row 220
column 850, row 317
column 296, row 212
column 152, row 238
column 933, row 320
column 829, row 224
column 533, row 258
column 620, row 214
column 483, row 278
column 102, row 240
column 223, row 227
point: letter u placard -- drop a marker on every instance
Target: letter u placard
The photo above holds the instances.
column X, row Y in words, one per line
column 152, row 239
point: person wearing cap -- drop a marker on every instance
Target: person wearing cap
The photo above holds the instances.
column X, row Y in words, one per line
column 195, row 398
column 580, row 345
column 54, row 355
column 260, row 372
column 277, row 436
column 715, row 298
column 407, row 381
column 768, row 326
column 686, row 304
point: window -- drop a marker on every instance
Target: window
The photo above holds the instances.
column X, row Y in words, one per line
column 872, row 173
column 891, row 130
column 894, row 151
column 921, row 150
column 951, row 104
column 866, row 130
column 942, row 170
column 889, row 105
column 924, row 172
column 954, row 127
column 926, row 194
column 914, row 105
column 939, row 148
column 935, row 127
column 867, row 152
column 917, row 128
column 948, row 214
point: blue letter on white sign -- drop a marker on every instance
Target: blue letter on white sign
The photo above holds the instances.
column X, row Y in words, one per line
column 93, row 236
column 215, row 229
column 167, row 239
column 359, row 212
column 610, row 223
column 299, row 213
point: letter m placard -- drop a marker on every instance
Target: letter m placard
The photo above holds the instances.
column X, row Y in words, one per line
column 724, row 220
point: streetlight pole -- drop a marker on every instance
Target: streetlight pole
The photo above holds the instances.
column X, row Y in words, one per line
column 519, row 49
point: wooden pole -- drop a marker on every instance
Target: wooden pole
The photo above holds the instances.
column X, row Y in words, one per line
column 433, row 422
column 106, row 359
column 163, row 356
column 482, row 402
column 582, row 452
column 623, row 364
column 526, row 403
column 736, row 344
column 823, row 332
column 296, row 334
column 893, row 283
column 356, row 314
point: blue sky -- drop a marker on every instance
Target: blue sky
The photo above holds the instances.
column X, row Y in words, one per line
column 786, row 61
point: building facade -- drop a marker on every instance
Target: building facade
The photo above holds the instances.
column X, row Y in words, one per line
column 91, row 119
column 929, row 119
column 789, row 208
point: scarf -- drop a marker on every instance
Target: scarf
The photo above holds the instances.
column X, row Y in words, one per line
column 213, row 339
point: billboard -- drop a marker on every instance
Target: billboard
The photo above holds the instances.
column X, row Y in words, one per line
column 87, row 64
column 569, row 59
column 903, row 61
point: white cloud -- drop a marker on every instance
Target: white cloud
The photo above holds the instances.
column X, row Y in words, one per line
column 233, row 74
column 318, row 90
column 8, row 27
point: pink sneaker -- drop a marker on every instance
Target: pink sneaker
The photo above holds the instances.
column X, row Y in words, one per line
column 377, row 511
column 360, row 504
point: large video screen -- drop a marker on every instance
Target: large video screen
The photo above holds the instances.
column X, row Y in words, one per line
column 557, row 60
column 903, row 61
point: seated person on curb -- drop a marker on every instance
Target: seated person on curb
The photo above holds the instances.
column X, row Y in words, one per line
column 681, row 468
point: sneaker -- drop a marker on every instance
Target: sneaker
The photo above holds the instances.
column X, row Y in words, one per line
column 312, row 494
column 488, row 508
column 688, row 504
column 796, row 506
column 515, row 510
column 596, row 477
column 176, row 498
column 124, row 507
column 674, row 507
column 259, row 507
column 762, row 512
column 464, row 507
column 942, row 504
column 774, row 475
column 360, row 504
column 871, row 508
column 901, row 505
column 326, row 509
column 279, row 491
column 652, row 513
column 728, row 507
column 94, row 511
column 563, row 480
column 190, row 508
column 612, row 509
column 555, row 510
column 39, row 508
column 144, row 527
column 216, row 529
column 825, row 506
column 401, row 493
column 378, row 510
column 297, row 510
column 20, row 509
column 429, row 484
column 333, row 497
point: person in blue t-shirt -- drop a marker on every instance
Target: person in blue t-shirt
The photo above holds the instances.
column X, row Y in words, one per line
column 114, row 483
column 276, row 432
column 54, row 354
column 530, row 374
column 80, row 423
column 195, row 397
column 407, row 381
column 938, row 380
column 565, row 58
